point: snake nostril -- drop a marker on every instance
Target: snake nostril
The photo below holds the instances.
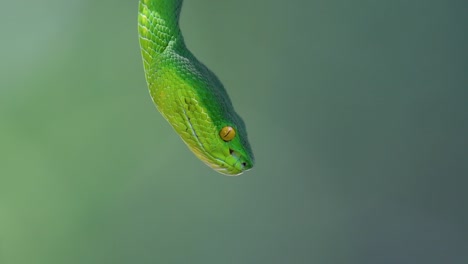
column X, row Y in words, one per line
column 231, row 151
column 244, row 164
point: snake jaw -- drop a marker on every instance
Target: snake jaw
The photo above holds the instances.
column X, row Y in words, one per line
column 233, row 164
column 222, row 166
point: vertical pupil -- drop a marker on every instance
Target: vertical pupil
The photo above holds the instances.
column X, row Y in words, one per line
column 227, row 133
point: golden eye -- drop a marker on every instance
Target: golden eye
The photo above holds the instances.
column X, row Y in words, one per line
column 227, row 133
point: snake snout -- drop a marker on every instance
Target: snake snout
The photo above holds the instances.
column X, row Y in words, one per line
column 241, row 162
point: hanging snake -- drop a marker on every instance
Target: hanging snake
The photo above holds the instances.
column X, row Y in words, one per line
column 189, row 95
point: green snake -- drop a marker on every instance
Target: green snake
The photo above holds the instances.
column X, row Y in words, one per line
column 188, row 95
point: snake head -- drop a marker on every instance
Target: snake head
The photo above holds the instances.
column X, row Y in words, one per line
column 228, row 158
column 220, row 142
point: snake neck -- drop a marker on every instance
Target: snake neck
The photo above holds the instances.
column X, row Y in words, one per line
column 158, row 28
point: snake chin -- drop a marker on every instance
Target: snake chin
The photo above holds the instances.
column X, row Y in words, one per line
column 233, row 165
column 229, row 171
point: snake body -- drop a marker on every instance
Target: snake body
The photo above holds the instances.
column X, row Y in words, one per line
column 188, row 95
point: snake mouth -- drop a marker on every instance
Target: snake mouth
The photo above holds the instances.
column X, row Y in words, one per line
column 232, row 165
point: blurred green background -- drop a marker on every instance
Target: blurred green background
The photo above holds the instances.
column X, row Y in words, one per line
column 356, row 112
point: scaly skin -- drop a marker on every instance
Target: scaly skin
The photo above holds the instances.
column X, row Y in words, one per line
column 187, row 93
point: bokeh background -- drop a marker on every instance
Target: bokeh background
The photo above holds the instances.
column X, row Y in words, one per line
column 356, row 112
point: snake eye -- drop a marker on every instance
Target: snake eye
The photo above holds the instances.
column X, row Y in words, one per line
column 227, row 133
